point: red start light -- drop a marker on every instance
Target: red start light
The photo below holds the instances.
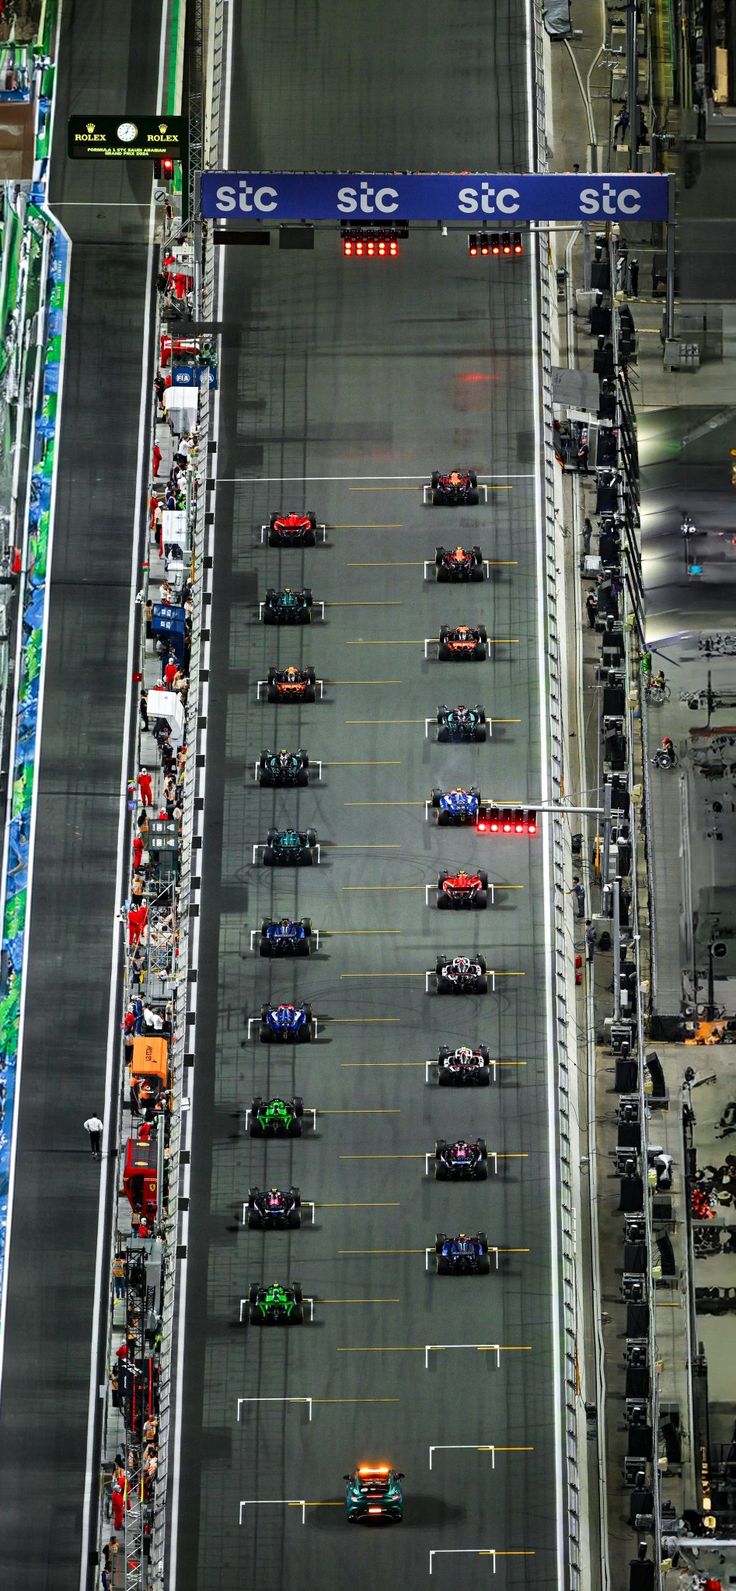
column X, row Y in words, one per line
column 393, row 248
column 495, row 826
column 507, row 828
column 507, row 248
column 518, row 248
column 482, row 828
column 473, row 250
column 532, row 828
column 484, row 249
column 347, row 247
column 496, row 248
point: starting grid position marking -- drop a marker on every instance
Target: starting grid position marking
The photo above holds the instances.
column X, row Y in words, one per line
column 262, row 847
column 318, row 604
column 262, row 685
column 308, row 1401
column 472, row 1447
column 477, row 1552
column 320, row 530
column 256, row 934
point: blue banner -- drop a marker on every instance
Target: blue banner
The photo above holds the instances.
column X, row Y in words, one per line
column 478, row 198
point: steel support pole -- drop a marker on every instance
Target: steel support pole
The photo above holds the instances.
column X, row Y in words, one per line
column 669, row 313
column 632, row 18
column 197, row 220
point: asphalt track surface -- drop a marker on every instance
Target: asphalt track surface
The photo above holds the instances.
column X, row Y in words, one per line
column 343, row 384
column 45, row 1393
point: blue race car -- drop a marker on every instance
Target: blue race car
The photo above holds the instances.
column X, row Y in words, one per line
column 374, row 1491
column 462, row 1255
column 286, row 937
column 456, row 806
column 286, row 1024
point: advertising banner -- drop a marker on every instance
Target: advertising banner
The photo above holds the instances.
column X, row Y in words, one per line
column 479, row 198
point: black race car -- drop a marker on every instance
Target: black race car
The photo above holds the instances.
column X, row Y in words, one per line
column 461, row 975
column 291, row 684
column 462, row 891
column 276, row 1118
column 274, row 1209
column 457, row 489
column 459, row 563
column 462, row 1160
column 456, row 806
column 285, row 937
column 281, row 1304
column 463, row 643
column 287, row 1024
column 461, row 723
column 292, row 530
column 462, row 1255
column 287, row 606
column 290, row 848
column 464, row 1066
column 279, row 768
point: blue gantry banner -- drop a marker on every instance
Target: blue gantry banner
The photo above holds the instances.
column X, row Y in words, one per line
column 475, row 197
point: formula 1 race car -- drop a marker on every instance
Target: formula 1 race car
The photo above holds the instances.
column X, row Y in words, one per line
column 461, row 975
column 274, row 1209
column 287, row 937
column 461, row 723
column 290, row 848
column 462, row 643
column 292, row 530
column 287, row 606
column 461, row 1160
column 462, row 891
column 374, row 1492
column 276, row 1118
column 291, row 684
column 281, row 1304
column 286, row 1024
column 462, row 1255
column 464, row 1066
column 459, row 563
column 456, row 806
column 457, row 489
column 279, row 768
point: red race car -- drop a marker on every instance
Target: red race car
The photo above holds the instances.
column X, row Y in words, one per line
column 291, row 684
column 456, row 489
column 292, row 530
column 459, row 563
column 462, row 891
column 461, row 642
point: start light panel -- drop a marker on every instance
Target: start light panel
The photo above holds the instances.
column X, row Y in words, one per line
column 371, row 242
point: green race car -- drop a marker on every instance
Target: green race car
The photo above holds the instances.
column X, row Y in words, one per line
column 277, row 1305
column 276, row 1118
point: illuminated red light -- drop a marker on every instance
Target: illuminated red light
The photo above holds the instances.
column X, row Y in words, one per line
column 518, row 828
column 507, row 828
column 482, row 828
column 382, row 247
column 495, row 826
column 518, row 249
column 532, row 828
column 496, row 249
column 359, row 248
column 484, row 249
column 393, row 248
column 473, row 249
column 507, row 248
column 347, row 247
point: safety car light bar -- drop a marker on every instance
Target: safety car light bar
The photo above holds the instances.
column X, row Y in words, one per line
column 507, row 820
column 495, row 243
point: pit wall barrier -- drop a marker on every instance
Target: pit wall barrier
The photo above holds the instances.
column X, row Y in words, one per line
column 29, row 671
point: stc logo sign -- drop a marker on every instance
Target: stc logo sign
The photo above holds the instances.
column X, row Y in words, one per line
column 440, row 196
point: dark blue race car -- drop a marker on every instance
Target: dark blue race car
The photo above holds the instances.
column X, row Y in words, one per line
column 462, row 1255
column 286, row 937
column 290, row 848
column 456, row 806
column 461, row 723
column 287, row 1024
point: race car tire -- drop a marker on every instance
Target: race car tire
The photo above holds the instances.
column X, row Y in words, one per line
column 295, row 1130
column 309, row 539
column 443, row 1266
column 302, row 777
column 477, row 572
column 265, row 948
column 265, row 1034
column 472, row 479
column 439, row 1240
column 254, row 1315
column 272, row 694
column 480, row 1174
column 305, row 1034
column 306, row 924
column 269, row 858
column 482, row 963
column 483, row 876
column 298, row 1105
column 296, row 1318
column 255, row 1221
column 480, row 653
column 311, row 836
column 310, row 694
column 435, row 481
column 484, row 1265
column 441, row 1172
column 301, row 948
column 480, row 985
column 443, row 903
column 307, row 595
column 481, row 900
column 443, row 652
column 444, row 1079
column 294, row 1220
column 443, row 986
column 483, row 1079
column 443, row 735
column 472, row 499
column 480, row 733
column 435, row 798
column 438, row 499
column 270, row 616
column 305, row 858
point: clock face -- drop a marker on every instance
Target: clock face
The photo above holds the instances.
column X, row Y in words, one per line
column 127, row 131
